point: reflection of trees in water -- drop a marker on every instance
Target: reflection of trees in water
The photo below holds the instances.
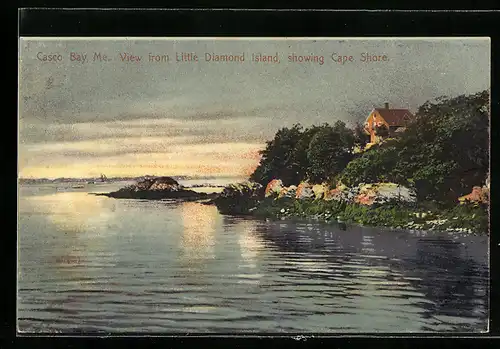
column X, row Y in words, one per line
column 307, row 243
column 301, row 238
column 455, row 284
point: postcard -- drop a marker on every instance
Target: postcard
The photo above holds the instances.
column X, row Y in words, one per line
column 253, row 185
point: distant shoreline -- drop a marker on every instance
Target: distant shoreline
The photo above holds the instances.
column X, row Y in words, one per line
column 119, row 179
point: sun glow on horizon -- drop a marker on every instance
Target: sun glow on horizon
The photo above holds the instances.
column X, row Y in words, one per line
column 70, row 161
column 137, row 170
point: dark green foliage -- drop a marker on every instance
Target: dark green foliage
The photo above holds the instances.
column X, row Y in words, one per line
column 239, row 198
column 279, row 159
column 443, row 154
column 396, row 215
column 375, row 165
column 302, row 160
column 296, row 154
column 330, row 150
column 473, row 217
column 457, row 152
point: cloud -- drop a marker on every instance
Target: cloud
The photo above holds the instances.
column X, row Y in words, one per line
column 138, row 146
column 100, row 112
column 257, row 129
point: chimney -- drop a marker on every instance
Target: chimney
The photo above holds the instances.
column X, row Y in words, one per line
column 386, row 105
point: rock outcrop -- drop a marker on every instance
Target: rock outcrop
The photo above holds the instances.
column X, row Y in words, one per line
column 273, row 188
column 304, row 191
column 319, row 190
column 165, row 183
column 369, row 194
column 156, row 189
column 288, row 192
column 341, row 193
column 478, row 195
column 364, row 194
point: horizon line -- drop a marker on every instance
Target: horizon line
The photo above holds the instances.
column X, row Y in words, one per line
column 145, row 175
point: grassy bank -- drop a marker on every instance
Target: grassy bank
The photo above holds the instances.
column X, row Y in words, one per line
column 424, row 216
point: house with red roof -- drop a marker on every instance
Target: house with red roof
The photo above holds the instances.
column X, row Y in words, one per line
column 395, row 120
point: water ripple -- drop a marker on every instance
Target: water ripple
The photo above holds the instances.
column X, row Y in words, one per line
column 129, row 266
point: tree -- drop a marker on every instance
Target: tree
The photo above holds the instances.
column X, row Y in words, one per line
column 278, row 160
column 296, row 154
column 443, row 153
column 455, row 132
column 330, row 150
column 300, row 161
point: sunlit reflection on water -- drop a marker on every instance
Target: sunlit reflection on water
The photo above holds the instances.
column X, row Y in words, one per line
column 83, row 222
column 250, row 243
column 198, row 232
column 251, row 246
column 95, row 263
column 72, row 211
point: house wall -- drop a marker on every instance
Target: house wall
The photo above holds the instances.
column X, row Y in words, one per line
column 370, row 129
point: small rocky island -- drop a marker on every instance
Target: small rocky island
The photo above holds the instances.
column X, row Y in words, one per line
column 156, row 189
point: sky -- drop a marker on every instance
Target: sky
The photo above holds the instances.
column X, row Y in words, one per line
column 84, row 118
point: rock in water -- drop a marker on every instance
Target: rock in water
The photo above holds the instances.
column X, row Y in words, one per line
column 156, row 189
column 165, row 183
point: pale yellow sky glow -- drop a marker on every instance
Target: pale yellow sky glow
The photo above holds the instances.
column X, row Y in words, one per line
column 139, row 147
column 81, row 119
column 238, row 159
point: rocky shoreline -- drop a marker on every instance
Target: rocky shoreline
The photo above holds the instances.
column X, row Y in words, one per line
column 378, row 205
